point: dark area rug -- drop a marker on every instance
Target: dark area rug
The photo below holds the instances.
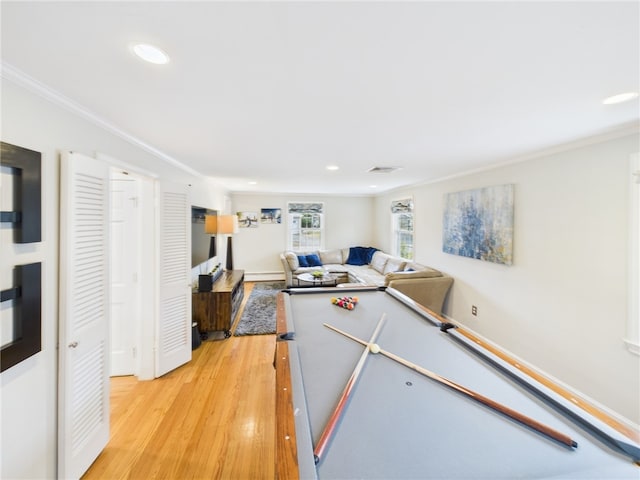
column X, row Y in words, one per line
column 259, row 315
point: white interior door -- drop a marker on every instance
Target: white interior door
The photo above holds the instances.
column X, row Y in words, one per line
column 83, row 383
column 173, row 339
column 125, row 267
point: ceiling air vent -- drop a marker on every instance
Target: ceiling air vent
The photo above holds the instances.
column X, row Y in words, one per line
column 383, row 169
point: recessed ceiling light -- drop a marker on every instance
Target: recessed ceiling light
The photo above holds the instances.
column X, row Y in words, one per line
column 150, row 53
column 253, row 182
column 383, row 169
column 373, row 186
column 333, row 167
column 622, row 97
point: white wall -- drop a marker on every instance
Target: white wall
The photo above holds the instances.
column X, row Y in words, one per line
column 562, row 305
column 29, row 390
column 349, row 222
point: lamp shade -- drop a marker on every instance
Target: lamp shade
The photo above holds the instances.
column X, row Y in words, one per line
column 210, row 224
column 227, row 224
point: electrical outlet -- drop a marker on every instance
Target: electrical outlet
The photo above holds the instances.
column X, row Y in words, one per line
column 474, row 310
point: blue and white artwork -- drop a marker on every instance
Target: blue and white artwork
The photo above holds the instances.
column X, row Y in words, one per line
column 479, row 224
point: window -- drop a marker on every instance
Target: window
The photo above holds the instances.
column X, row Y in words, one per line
column 305, row 226
column 402, row 225
column 633, row 319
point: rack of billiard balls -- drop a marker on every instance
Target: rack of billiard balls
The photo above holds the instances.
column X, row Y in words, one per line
column 348, row 303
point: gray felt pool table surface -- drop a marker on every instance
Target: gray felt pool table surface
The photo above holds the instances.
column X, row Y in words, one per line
column 401, row 424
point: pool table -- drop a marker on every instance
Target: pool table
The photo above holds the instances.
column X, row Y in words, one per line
column 398, row 423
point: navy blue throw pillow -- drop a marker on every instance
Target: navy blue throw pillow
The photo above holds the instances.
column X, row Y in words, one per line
column 302, row 260
column 314, row 260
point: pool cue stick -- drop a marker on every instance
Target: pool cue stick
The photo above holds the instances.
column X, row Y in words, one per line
column 548, row 431
column 344, row 397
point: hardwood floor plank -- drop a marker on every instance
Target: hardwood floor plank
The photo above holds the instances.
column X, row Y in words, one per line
column 211, row 418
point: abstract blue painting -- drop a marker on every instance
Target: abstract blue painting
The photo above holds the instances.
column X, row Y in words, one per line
column 479, row 224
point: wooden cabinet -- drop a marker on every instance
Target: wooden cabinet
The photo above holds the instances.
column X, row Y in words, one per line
column 217, row 309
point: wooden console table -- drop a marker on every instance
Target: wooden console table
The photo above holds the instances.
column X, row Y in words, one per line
column 215, row 310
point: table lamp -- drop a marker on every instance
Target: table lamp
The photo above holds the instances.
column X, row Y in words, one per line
column 228, row 225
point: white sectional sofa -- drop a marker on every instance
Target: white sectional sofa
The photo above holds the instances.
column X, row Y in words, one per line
column 368, row 266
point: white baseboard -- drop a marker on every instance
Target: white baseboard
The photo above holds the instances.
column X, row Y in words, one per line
column 263, row 276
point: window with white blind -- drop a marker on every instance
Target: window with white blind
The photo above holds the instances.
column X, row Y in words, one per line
column 402, row 226
column 305, row 226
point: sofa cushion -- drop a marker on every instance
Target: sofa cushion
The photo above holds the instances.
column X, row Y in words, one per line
column 292, row 260
column 394, row 264
column 331, row 256
column 379, row 261
column 326, row 268
column 365, row 275
column 336, row 268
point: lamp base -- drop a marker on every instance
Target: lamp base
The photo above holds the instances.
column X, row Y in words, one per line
column 212, row 247
column 229, row 254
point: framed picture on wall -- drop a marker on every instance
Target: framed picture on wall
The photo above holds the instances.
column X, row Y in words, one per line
column 247, row 219
column 479, row 224
column 271, row 216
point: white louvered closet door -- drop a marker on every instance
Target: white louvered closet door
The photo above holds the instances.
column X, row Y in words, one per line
column 83, row 389
column 173, row 337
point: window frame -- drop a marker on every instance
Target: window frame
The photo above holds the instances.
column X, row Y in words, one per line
column 632, row 339
column 399, row 209
column 296, row 213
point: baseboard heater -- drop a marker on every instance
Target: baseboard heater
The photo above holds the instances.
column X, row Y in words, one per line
column 263, row 276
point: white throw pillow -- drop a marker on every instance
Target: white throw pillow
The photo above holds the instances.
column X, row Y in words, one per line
column 394, row 264
column 379, row 261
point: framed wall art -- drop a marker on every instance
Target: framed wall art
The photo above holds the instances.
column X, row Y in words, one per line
column 271, row 216
column 479, row 224
column 247, row 219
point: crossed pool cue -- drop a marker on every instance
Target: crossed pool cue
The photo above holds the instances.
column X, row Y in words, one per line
column 329, row 428
column 374, row 348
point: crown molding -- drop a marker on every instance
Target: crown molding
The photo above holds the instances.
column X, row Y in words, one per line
column 630, row 128
column 18, row 77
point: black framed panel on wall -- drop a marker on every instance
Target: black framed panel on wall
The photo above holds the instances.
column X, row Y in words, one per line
column 27, row 315
column 27, row 204
column 23, row 167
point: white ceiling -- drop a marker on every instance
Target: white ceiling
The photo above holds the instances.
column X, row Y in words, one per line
column 276, row 91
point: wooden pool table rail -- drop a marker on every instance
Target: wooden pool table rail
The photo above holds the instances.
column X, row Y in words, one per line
column 286, row 445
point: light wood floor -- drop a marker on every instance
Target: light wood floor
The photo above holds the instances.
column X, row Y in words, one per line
column 211, row 418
